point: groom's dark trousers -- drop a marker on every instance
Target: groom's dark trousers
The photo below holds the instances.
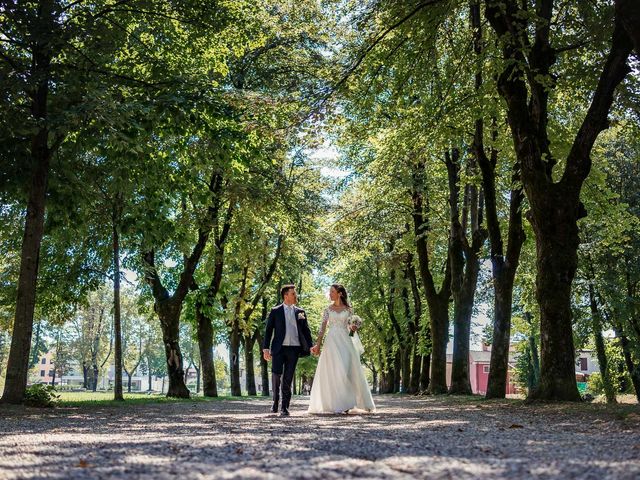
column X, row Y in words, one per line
column 283, row 367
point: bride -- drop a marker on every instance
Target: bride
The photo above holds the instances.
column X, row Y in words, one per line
column 339, row 383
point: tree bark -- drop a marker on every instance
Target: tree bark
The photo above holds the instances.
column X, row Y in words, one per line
column 603, row 362
column 264, row 365
column 555, row 205
column 465, row 267
column 35, row 357
column 234, row 361
column 249, row 343
column 168, row 307
column 204, row 326
column 629, row 14
column 205, row 346
column 535, row 356
column 117, row 317
column 408, row 345
column 397, row 367
column 41, row 153
column 169, row 314
column 128, row 380
column 424, row 374
column 625, row 345
column 415, row 327
column 437, row 300
column 503, row 269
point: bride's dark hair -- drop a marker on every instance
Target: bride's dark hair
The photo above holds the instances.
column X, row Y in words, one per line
column 343, row 294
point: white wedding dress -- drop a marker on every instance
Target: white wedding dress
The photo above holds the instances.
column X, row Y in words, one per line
column 339, row 383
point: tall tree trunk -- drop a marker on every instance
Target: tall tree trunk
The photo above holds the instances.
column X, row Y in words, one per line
column 437, row 300
column 424, row 373
column 408, row 343
column 503, row 269
column 264, row 365
column 205, row 346
column 18, row 362
column 534, row 381
column 168, row 307
column 397, row 374
column 264, row 372
column 234, row 361
column 394, row 360
column 465, row 266
column 198, row 369
column 169, row 313
column 555, row 205
column 249, row 343
column 117, row 317
column 439, row 314
column 629, row 14
column 415, row 327
column 35, row 357
column 149, row 377
column 603, row 362
column 85, row 376
column 96, row 372
column 416, row 370
column 557, row 244
column 374, row 379
column 625, row 345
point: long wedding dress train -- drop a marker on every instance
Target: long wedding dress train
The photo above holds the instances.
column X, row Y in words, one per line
column 339, row 383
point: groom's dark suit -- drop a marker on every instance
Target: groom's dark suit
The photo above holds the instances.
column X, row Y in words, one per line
column 290, row 341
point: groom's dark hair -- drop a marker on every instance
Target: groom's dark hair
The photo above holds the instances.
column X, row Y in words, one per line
column 285, row 289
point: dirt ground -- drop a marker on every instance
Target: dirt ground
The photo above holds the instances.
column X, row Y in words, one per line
column 408, row 437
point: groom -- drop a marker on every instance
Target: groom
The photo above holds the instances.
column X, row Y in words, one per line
column 288, row 326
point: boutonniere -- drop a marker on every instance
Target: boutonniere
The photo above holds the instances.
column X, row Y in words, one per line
column 301, row 316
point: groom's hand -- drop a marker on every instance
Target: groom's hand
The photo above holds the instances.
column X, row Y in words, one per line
column 315, row 350
column 266, row 353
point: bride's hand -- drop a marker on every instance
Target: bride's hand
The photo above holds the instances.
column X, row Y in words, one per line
column 353, row 328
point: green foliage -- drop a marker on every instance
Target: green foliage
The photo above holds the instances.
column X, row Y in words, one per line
column 150, row 101
column 40, row 395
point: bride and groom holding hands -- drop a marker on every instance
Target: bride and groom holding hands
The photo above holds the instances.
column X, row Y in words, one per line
column 339, row 383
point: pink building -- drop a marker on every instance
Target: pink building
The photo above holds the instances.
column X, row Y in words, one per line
column 479, row 361
column 44, row 368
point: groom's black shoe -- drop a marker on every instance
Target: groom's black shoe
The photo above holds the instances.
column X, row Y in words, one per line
column 284, row 412
column 274, row 407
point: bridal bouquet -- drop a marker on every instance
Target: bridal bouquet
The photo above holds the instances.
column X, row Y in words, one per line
column 354, row 321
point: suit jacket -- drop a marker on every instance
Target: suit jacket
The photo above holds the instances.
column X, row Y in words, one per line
column 277, row 328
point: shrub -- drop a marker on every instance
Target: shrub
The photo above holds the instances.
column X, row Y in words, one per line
column 595, row 385
column 41, row 395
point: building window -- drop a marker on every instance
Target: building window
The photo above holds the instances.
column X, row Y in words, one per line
column 485, row 368
column 42, row 372
column 583, row 364
column 44, row 360
column 51, row 373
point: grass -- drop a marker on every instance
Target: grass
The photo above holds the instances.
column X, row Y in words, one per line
column 82, row 399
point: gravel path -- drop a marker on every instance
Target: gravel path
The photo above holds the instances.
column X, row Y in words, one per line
column 408, row 437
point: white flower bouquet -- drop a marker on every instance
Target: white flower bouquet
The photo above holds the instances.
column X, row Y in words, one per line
column 354, row 321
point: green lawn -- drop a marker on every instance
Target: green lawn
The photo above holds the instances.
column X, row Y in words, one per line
column 80, row 399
